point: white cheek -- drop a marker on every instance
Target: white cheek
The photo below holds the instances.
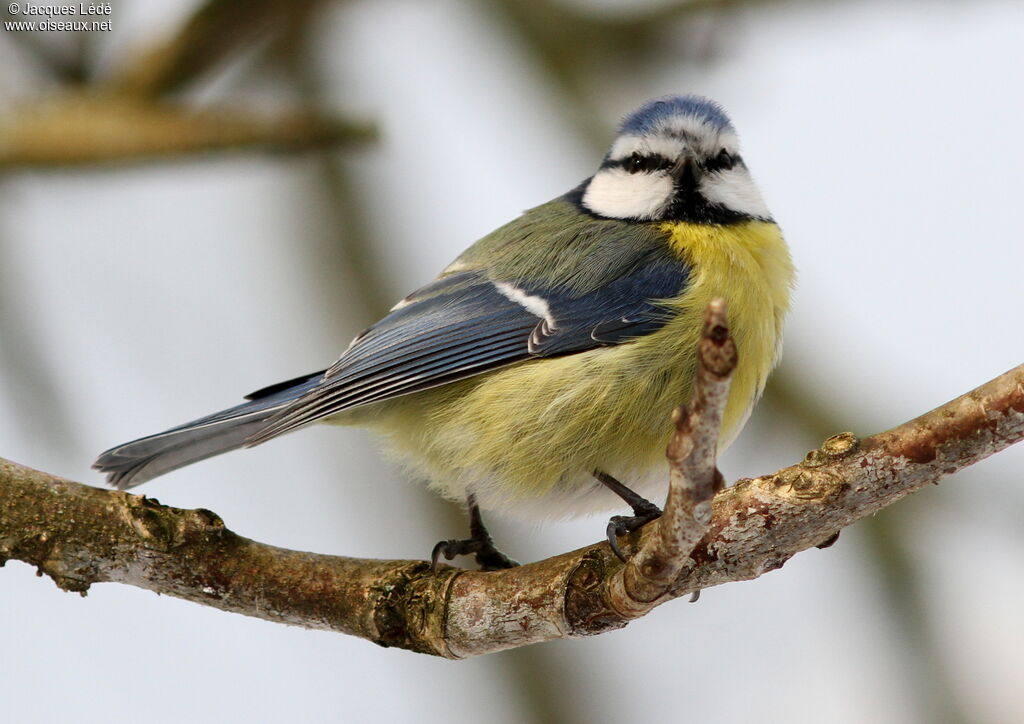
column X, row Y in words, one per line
column 617, row 194
column 734, row 189
column 666, row 146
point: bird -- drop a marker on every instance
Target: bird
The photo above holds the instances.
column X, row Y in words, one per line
column 536, row 375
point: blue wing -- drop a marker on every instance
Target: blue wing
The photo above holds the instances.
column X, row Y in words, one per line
column 465, row 323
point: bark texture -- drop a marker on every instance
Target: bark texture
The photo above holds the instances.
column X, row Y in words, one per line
column 80, row 535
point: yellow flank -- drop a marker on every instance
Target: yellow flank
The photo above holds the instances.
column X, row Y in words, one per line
column 535, row 431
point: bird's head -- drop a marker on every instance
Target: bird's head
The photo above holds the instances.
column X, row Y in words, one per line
column 675, row 159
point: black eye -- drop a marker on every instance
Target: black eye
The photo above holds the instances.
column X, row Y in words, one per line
column 635, row 163
column 723, row 161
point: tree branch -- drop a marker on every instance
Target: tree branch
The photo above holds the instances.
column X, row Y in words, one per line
column 79, row 535
column 87, row 128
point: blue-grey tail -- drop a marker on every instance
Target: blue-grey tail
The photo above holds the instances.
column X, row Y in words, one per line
column 135, row 462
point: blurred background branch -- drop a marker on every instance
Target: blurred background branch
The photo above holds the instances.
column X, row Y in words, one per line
column 133, row 115
column 207, row 39
column 75, row 129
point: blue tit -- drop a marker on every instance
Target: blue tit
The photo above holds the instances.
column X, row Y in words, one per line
column 537, row 373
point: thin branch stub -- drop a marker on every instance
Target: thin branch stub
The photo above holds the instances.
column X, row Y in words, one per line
column 693, row 476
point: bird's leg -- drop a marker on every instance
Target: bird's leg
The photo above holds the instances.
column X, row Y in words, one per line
column 479, row 543
column 644, row 511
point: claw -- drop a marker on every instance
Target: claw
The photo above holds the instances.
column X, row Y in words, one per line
column 624, row 524
column 613, row 539
column 443, row 548
column 644, row 511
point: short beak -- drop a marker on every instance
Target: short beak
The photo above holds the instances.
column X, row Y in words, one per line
column 685, row 172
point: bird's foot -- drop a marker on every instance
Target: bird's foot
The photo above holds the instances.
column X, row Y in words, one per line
column 479, row 544
column 623, row 524
column 644, row 511
column 487, row 556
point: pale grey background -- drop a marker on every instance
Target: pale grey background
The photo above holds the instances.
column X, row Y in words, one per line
column 886, row 138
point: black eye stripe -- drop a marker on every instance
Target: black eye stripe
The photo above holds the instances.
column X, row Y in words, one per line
column 723, row 161
column 636, row 162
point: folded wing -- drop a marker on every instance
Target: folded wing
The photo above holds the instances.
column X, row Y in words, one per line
column 465, row 324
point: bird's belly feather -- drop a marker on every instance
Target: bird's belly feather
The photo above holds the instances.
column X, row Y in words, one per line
column 605, row 409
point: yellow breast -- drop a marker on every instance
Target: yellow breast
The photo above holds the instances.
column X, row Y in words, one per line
column 747, row 264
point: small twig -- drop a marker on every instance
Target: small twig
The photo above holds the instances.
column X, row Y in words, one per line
column 693, row 476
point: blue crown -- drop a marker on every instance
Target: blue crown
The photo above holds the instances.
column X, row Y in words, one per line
column 652, row 116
